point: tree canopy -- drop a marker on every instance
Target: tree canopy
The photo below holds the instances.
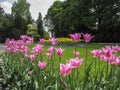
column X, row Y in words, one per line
column 40, row 25
column 98, row 17
column 21, row 8
column 22, row 16
column 88, row 16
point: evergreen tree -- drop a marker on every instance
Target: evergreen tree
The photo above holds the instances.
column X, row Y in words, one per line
column 40, row 26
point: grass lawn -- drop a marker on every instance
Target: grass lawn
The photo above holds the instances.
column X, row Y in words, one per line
column 91, row 70
column 68, row 54
column 68, row 51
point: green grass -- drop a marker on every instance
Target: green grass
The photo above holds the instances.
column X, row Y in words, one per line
column 68, row 51
column 68, row 54
column 1, row 54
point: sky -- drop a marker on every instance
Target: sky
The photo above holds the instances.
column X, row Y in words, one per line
column 36, row 6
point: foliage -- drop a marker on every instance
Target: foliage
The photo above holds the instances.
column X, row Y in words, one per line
column 22, row 17
column 98, row 17
column 20, row 25
column 40, row 26
column 15, row 23
column 21, row 8
column 6, row 25
column 1, row 12
column 52, row 19
column 46, row 35
column 33, row 31
column 63, row 41
column 106, row 13
column 68, row 17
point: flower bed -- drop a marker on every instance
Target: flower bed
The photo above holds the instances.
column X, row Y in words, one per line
column 64, row 42
column 24, row 67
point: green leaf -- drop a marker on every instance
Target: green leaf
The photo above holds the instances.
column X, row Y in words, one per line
column 36, row 85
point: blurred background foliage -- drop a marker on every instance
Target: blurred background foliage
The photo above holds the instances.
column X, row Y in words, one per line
column 101, row 18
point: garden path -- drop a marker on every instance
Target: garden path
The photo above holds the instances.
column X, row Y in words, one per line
column 2, row 48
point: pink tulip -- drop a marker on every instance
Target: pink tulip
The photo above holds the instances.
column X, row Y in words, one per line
column 42, row 41
column 24, row 49
column 59, row 52
column 65, row 69
column 112, row 60
column 87, row 37
column 102, row 57
column 96, row 53
column 118, row 60
column 107, row 52
column 32, row 57
column 54, row 41
column 27, row 39
column 30, row 40
column 107, row 47
column 30, row 73
column 75, row 62
column 48, row 55
column 24, row 37
column 116, row 48
column 75, row 37
column 18, row 45
column 7, row 41
column 15, row 50
column 42, row 65
column 26, row 55
column 76, row 54
column 37, row 49
column 51, row 49
column 7, row 49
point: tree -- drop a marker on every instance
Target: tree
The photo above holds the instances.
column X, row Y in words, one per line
column 77, row 16
column 1, row 12
column 69, row 16
column 40, row 26
column 107, row 17
column 1, row 17
column 52, row 19
column 106, row 11
column 1, row 21
column 33, row 31
column 46, row 35
column 21, row 8
column 99, row 17
column 20, row 25
column 22, row 16
column 7, row 27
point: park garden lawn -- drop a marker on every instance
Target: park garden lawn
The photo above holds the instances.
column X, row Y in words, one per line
column 88, row 63
column 68, row 54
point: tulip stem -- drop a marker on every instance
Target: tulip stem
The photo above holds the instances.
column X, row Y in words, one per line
column 107, row 69
column 59, row 65
column 99, row 66
column 75, row 50
column 86, row 57
column 51, row 66
column 95, row 66
column 59, row 71
column 77, row 79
